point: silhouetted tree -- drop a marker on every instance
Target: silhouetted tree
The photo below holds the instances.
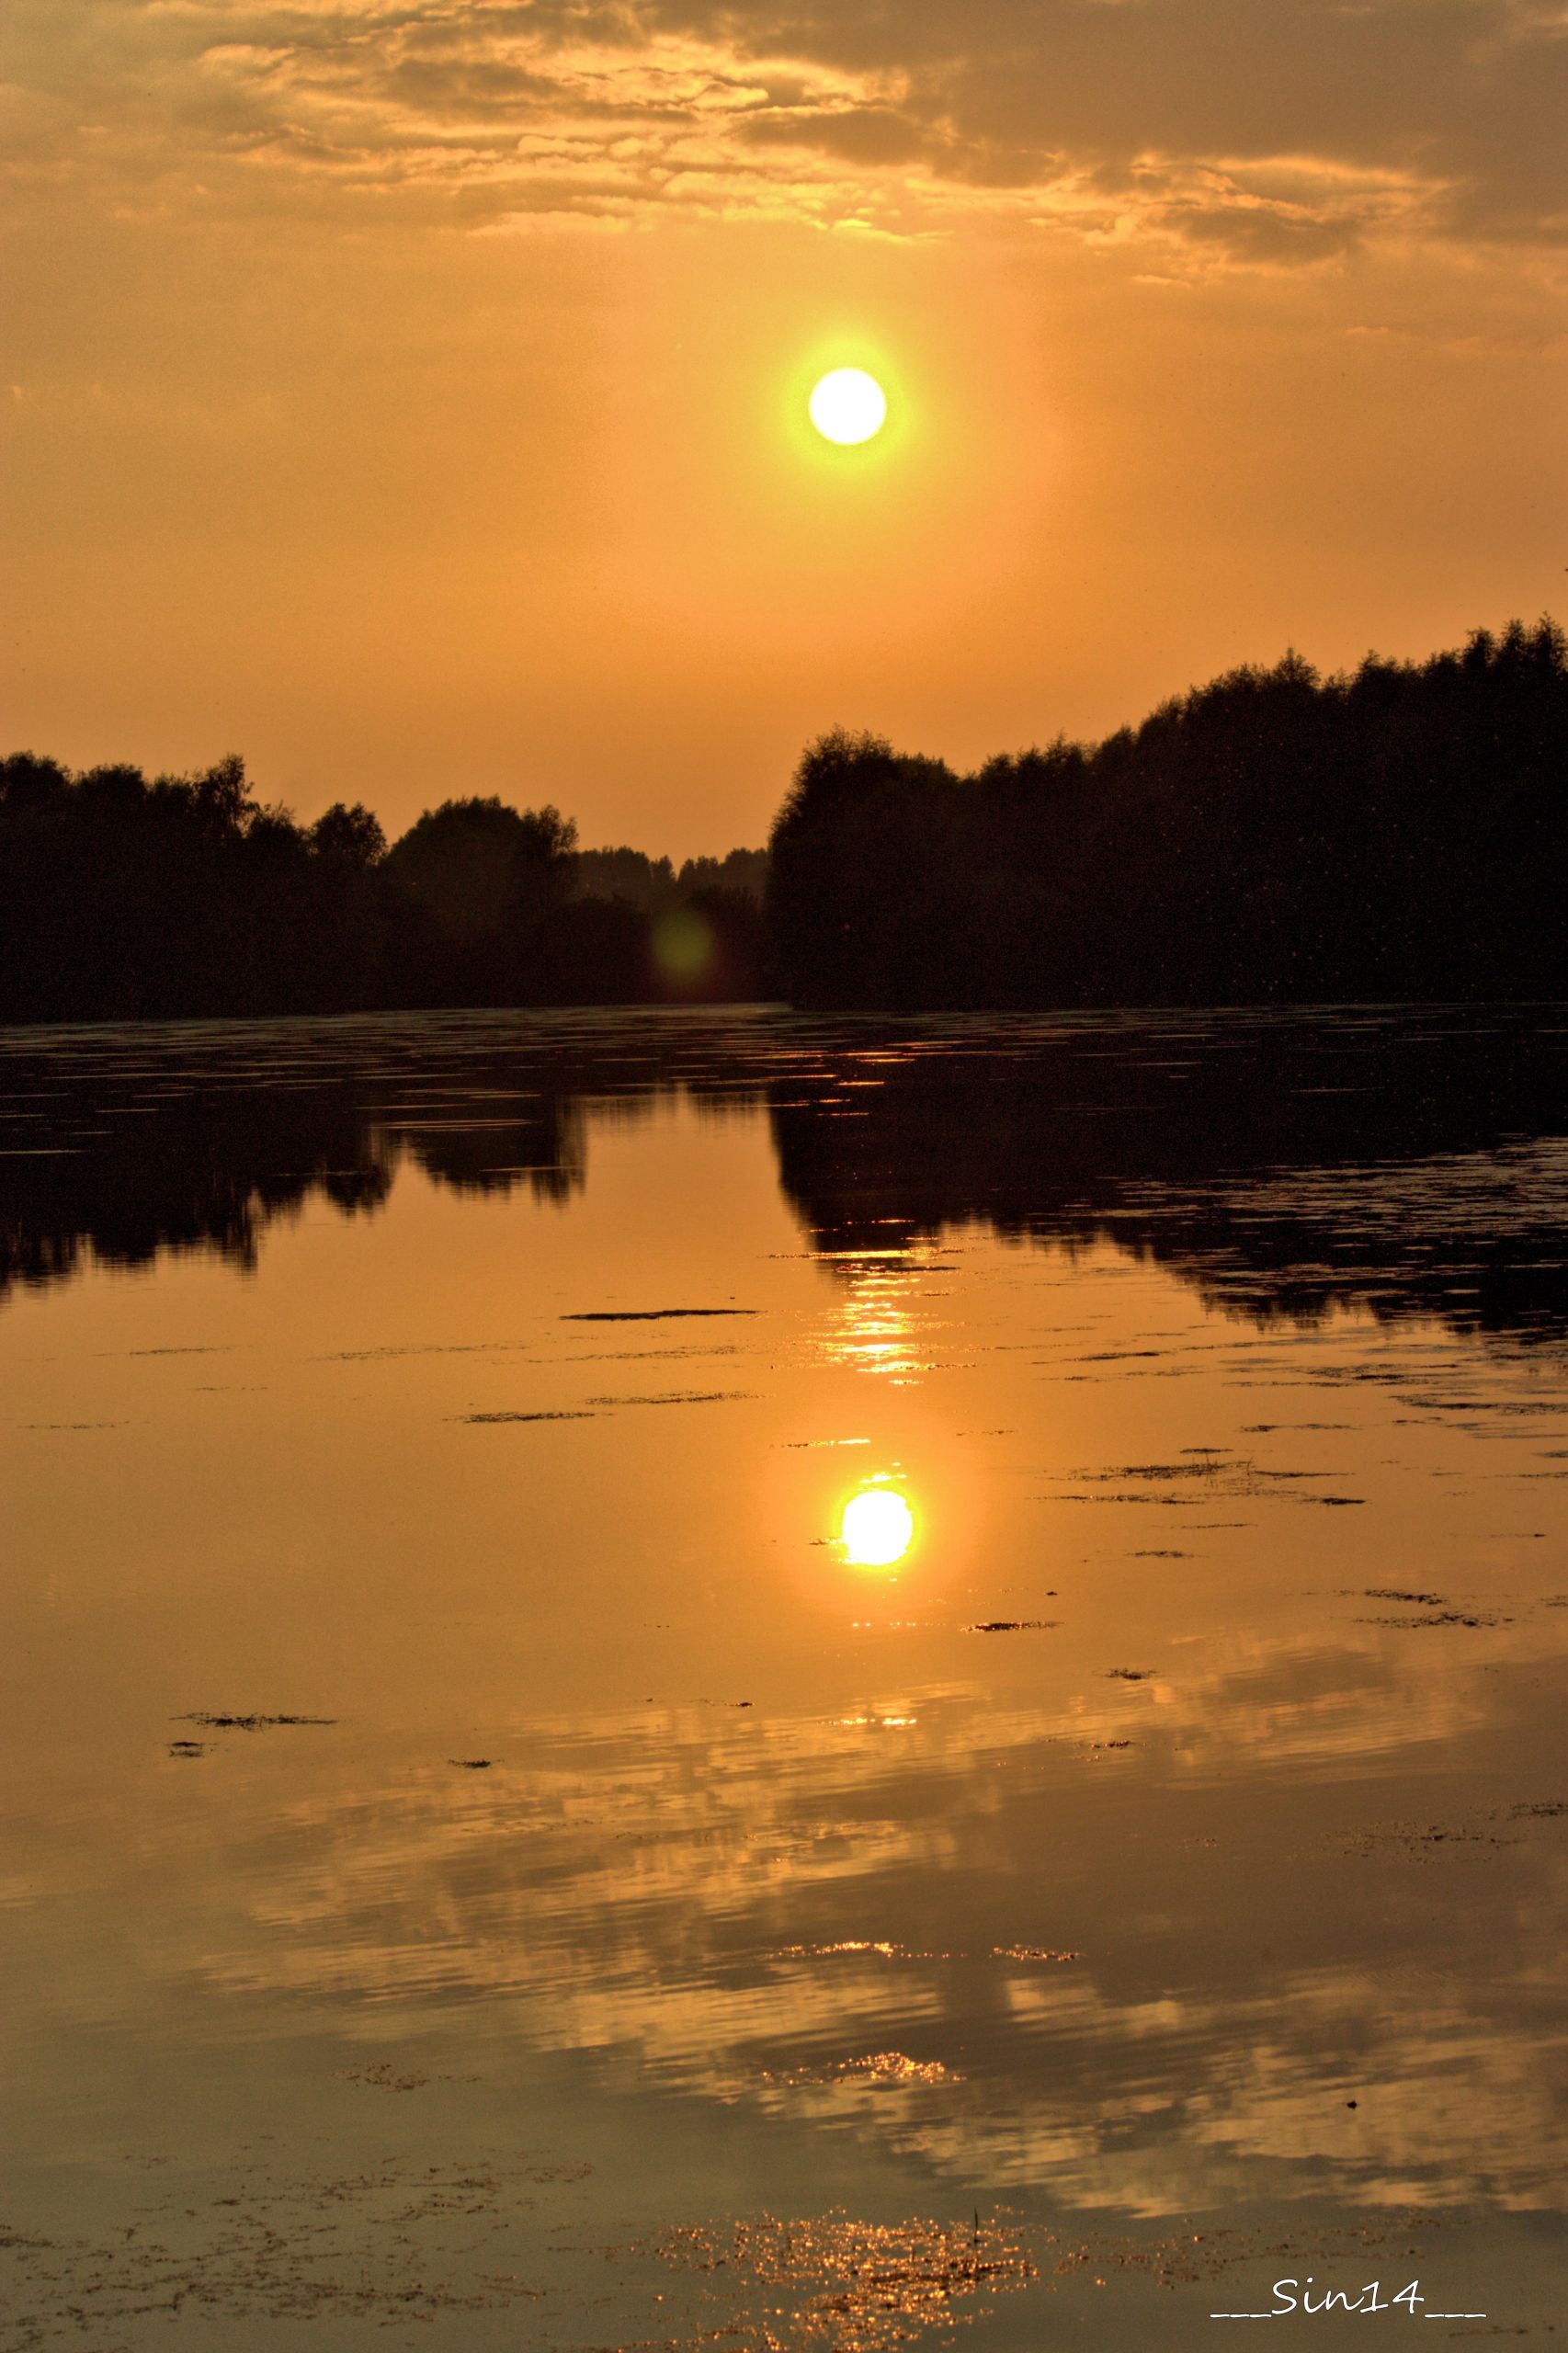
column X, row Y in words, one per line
column 351, row 835
column 483, row 886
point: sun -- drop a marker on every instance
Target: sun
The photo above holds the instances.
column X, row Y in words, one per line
column 847, row 406
column 878, row 1528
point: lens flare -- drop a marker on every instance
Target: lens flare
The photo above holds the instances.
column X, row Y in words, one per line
column 877, row 1528
column 848, row 407
column 683, row 945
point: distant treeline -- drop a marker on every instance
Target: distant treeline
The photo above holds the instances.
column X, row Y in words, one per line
column 656, row 885
column 124, row 897
column 1400, row 833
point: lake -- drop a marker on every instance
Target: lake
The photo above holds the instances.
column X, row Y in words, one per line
column 709, row 1679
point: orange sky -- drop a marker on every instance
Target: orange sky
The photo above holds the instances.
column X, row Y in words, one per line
column 408, row 393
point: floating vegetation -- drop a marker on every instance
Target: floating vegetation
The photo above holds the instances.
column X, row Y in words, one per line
column 423, row 1349
column 859, row 2287
column 384, row 2077
column 1416, row 1840
column 682, row 1397
column 574, row 1413
column 649, row 1314
column 877, row 2067
column 1444, row 1618
column 370, row 2245
column 1262, row 1429
column 883, row 1948
column 247, row 1723
column 887, row 1949
column 223, row 1351
column 1199, row 1482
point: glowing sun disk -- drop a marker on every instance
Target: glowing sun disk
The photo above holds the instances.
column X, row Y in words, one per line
column 847, row 406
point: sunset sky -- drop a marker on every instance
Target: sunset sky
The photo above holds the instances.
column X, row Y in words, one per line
column 410, row 395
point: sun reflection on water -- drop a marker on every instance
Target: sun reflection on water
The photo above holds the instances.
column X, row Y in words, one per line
column 882, row 1325
column 877, row 1526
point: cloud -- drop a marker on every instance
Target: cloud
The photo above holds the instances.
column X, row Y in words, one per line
column 1208, row 131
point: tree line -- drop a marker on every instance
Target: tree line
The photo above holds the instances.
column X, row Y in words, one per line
column 124, row 897
column 1397, row 833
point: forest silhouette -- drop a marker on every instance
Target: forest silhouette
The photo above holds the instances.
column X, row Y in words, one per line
column 1396, row 834
column 129, row 898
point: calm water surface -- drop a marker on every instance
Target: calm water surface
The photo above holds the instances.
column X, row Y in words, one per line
column 491, row 1852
